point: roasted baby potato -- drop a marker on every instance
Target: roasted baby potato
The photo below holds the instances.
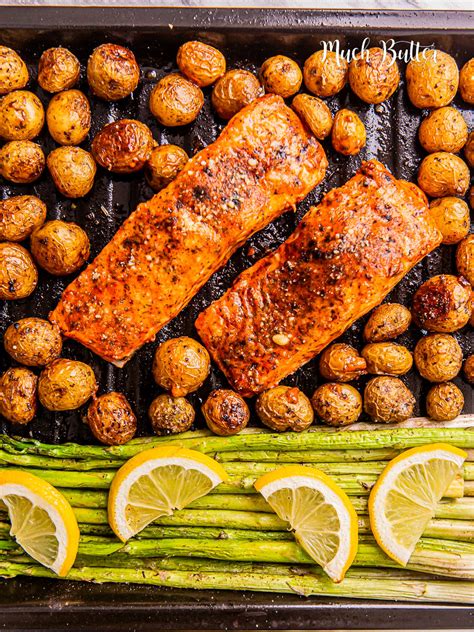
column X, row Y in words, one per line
column 466, row 81
column 170, row 415
column 442, row 174
column 111, row 419
column 443, row 130
column 21, row 161
column 348, row 133
column 452, row 218
column 387, row 358
column 337, row 404
column 18, row 401
column 438, row 357
column 123, row 146
column 432, row 79
column 341, row 363
column 21, row 115
column 387, row 322
column 175, row 100
column 225, row 412
column 236, row 89
column 69, row 117
column 180, row 365
column 20, row 215
column 13, row 71
column 60, row 247
column 388, row 400
column 18, row 273
column 444, row 402
column 315, row 113
column 281, row 75
column 443, row 303
column 33, row 341
column 164, row 164
column 469, row 149
column 73, row 171
column 201, row 63
column 373, row 75
column 112, row 72
column 284, row 408
column 465, row 258
column 58, row 69
column 325, row 73
column 66, row 385
column 469, row 369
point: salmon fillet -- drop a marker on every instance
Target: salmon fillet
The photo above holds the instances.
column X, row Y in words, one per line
column 342, row 260
column 262, row 164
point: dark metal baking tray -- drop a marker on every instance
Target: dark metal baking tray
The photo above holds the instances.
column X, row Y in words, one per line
column 246, row 37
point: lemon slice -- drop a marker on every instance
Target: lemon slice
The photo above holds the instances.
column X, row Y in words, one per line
column 404, row 498
column 42, row 521
column 156, row 482
column 318, row 511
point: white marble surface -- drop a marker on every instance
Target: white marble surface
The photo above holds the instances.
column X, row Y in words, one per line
column 467, row 5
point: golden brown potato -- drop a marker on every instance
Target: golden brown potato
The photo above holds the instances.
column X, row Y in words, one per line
column 465, row 258
column 442, row 174
column 58, row 69
column 469, row 149
column 164, row 164
column 170, row 415
column 13, row 71
column 388, row 400
column 21, row 161
column 236, row 89
column 315, row 113
column 443, row 130
column 73, row 171
column 33, row 341
column 337, row 404
column 175, row 100
column 466, row 81
column 111, row 419
column 60, row 247
column 18, row 401
column 281, row 75
column 387, row 358
column 123, row 146
column 20, row 215
column 451, row 215
column 444, row 402
column 201, row 63
column 21, row 115
column 18, row 273
column 225, row 412
column 284, row 408
column 469, row 369
column 325, row 73
column 432, row 79
column 180, row 365
column 69, row 117
column 438, row 357
column 443, row 303
column 66, row 385
column 373, row 75
column 341, row 363
column 387, row 322
column 348, row 133
column 112, row 72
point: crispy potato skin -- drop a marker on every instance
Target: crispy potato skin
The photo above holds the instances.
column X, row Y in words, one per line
column 443, row 129
column 315, row 113
column 387, row 358
column 66, row 385
column 69, row 117
column 466, row 81
column 123, row 146
column 225, row 412
column 201, row 63
column 337, row 404
column 438, row 357
column 469, row 149
column 164, row 164
column 20, row 215
column 325, row 73
column 443, row 303
column 432, row 79
column 233, row 91
column 469, row 369
column 180, row 365
column 386, row 322
column 452, row 217
column 281, row 75
column 33, row 341
column 18, row 401
column 112, row 72
column 58, row 69
column 170, row 415
column 111, row 419
column 373, row 75
column 175, row 100
column 73, row 171
column 21, row 161
column 444, row 402
column 60, row 247
column 388, row 400
column 342, row 363
column 21, row 115
column 18, row 273
column 284, row 408
column 465, row 258
column 348, row 133
column 13, row 71
column 443, row 174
